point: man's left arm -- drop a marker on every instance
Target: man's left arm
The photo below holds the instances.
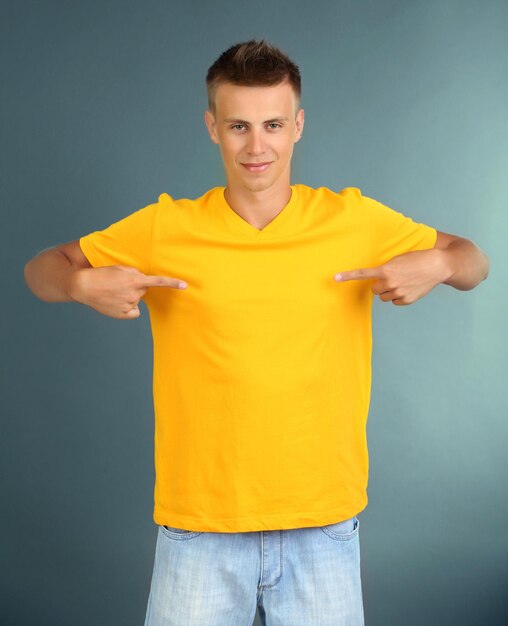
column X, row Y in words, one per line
column 465, row 264
column 406, row 278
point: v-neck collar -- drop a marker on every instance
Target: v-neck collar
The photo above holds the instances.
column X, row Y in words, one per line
column 243, row 227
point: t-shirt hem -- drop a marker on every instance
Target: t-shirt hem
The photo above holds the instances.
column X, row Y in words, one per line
column 89, row 251
column 431, row 238
column 278, row 521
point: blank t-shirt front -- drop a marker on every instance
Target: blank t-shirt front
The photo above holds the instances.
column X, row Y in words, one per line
column 262, row 365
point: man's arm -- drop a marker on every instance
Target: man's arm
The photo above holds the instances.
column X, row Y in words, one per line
column 408, row 277
column 465, row 264
column 51, row 273
column 64, row 274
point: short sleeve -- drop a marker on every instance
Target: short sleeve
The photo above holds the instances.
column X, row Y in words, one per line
column 126, row 242
column 392, row 233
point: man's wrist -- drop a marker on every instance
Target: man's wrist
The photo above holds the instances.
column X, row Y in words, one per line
column 446, row 265
column 75, row 285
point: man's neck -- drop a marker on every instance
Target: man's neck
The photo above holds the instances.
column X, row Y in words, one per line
column 258, row 208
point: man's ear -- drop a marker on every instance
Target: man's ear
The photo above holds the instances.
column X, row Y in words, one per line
column 300, row 120
column 212, row 127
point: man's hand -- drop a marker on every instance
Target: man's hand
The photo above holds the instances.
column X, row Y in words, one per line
column 405, row 278
column 116, row 290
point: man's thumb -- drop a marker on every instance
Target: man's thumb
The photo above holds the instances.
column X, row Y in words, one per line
column 128, row 268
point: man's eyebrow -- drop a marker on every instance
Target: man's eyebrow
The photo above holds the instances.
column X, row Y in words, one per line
column 282, row 118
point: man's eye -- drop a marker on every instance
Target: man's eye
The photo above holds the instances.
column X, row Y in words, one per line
column 275, row 125
column 238, row 126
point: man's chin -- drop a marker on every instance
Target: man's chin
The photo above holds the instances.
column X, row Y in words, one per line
column 260, row 185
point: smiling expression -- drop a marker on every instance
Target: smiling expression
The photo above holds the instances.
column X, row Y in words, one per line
column 256, row 129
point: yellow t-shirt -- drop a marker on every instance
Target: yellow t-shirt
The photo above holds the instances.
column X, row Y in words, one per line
column 262, row 365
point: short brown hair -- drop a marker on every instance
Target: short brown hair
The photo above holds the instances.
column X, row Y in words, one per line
column 252, row 63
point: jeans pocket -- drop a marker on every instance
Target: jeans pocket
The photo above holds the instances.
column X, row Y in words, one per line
column 178, row 533
column 344, row 530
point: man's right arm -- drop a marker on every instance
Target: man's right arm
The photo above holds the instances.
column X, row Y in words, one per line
column 64, row 274
column 51, row 274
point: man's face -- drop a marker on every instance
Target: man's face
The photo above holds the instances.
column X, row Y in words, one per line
column 256, row 129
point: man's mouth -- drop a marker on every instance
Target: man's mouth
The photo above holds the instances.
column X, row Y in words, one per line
column 256, row 167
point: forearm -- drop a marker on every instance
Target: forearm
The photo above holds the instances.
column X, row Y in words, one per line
column 465, row 264
column 49, row 276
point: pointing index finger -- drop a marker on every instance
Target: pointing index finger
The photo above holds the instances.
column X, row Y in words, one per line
column 164, row 281
column 359, row 274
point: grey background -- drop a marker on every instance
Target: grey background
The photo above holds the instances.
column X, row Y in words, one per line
column 102, row 110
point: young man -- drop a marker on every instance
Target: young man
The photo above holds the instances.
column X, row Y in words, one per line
column 262, row 348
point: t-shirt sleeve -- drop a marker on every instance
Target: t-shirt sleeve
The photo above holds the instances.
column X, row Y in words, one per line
column 125, row 242
column 392, row 233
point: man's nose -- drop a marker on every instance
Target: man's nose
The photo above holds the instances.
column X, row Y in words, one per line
column 256, row 142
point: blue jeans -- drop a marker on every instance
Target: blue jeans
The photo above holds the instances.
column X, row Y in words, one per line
column 297, row 577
